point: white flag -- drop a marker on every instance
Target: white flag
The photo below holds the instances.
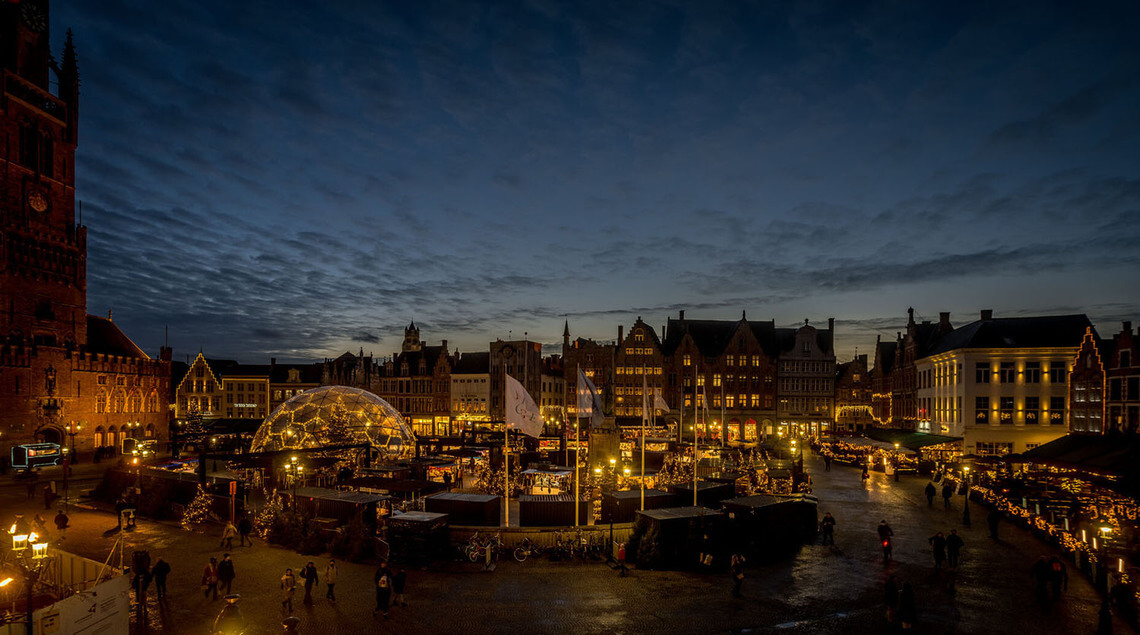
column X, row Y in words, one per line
column 589, row 402
column 521, row 411
column 659, row 401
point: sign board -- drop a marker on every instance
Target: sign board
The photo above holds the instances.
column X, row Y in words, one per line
column 233, row 488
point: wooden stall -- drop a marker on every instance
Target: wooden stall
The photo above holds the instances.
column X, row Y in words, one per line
column 677, row 537
column 418, row 537
column 483, row 510
column 551, row 510
column 621, row 507
column 765, row 527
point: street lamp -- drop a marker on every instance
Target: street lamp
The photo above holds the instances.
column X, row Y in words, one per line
column 1102, row 566
column 30, row 559
column 896, row 461
column 966, row 496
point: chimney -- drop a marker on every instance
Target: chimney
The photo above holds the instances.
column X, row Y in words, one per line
column 944, row 322
column 831, row 324
column 987, row 314
column 1127, row 327
column 682, row 315
column 621, row 331
column 910, row 316
column 444, row 347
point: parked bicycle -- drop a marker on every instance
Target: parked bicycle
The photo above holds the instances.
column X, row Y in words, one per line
column 527, row 549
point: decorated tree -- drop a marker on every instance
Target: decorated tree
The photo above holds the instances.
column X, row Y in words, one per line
column 271, row 516
column 198, row 511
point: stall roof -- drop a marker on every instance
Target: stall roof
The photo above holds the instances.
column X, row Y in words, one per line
column 402, row 485
column 764, row 500
column 909, row 440
column 669, row 513
column 322, row 493
column 558, row 472
column 470, row 498
column 1111, row 454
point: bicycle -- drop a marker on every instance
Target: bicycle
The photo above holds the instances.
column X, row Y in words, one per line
column 526, row 549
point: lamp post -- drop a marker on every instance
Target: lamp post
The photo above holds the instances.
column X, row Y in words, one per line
column 1102, row 566
column 73, row 429
column 966, row 496
column 30, row 559
column 896, row 461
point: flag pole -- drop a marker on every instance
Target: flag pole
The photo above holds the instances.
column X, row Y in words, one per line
column 644, row 416
column 577, row 442
column 506, row 454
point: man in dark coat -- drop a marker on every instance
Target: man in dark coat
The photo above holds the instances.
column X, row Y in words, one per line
column 954, row 544
column 993, row 520
column 930, row 492
column 244, row 528
column 226, row 573
column 383, row 581
column 938, row 542
column 311, row 577
column 737, row 570
column 159, row 572
column 827, row 527
column 947, row 492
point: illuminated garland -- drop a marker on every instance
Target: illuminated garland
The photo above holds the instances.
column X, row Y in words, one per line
column 198, row 511
column 269, row 514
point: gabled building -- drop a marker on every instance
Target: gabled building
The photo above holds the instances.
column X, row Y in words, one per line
column 1086, row 405
column 853, row 396
column 637, row 357
column 417, row 382
column 289, row 380
column 1122, row 381
column 470, row 390
column 1001, row 383
column 597, row 361
column 222, row 389
column 806, row 392
column 896, row 401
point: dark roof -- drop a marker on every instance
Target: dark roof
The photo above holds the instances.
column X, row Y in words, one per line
column 472, row 364
column 886, row 357
column 926, row 337
column 710, row 336
column 310, row 373
column 1112, row 455
column 908, row 440
column 104, row 337
column 1030, row 332
column 429, row 354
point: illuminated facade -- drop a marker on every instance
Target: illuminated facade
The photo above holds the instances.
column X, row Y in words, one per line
column 470, row 389
column 1001, row 384
column 65, row 376
column 417, row 382
column 1086, row 386
column 1122, row 382
column 853, row 395
column 895, row 402
column 806, row 393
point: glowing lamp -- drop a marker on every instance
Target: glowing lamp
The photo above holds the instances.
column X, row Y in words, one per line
column 20, row 542
column 5, row 582
column 39, row 550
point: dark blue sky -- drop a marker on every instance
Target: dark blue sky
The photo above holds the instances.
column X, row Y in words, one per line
column 297, row 179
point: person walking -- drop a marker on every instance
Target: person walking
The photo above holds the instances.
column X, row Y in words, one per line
column 331, row 573
column 827, row 526
column 938, row 542
column 159, row 572
column 826, row 462
column 62, row 523
column 48, row 496
column 1040, row 572
column 40, row 523
column 226, row 573
column 908, row 612
column 399, row 581
column 993, row 520
column 210, row 578
column 288, row 589
column 737, row 570
column 228, row 535
column 866, row 475
column 447, row 480
column 930, row 492
column 383, row 583
column 947, row 492
column 885, row 534
column 1058, row 577
column 954, row 544
column 244, row 529
column 891, row 599
column 309, row 575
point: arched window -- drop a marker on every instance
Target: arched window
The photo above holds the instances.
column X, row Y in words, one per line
column 152, row 402
column 100, row 437
column 118, row 402
column 134, row 402
column 113, row 437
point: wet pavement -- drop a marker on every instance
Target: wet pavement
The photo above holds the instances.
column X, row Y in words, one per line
column 821, row 589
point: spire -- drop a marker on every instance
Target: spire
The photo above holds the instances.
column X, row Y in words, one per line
column 67, row 72
column 743, row 315
column 566, row 329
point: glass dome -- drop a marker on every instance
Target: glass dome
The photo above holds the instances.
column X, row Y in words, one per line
column 335, row 415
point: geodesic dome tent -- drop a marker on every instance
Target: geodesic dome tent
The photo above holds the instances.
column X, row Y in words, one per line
column 335, row 415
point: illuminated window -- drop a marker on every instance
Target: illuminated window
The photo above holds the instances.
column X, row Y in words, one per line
column 686, row 360
column 101, row 402
column 756, row 360
column 716, row 379
column 982, row 410
column 730, row 360
column 1005, row 411
column 1032, row 407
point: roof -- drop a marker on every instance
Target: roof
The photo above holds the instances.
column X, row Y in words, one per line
column 670, row 513
column 1053, row 331
column 1113, row 455
column 430, row 355
column 765, row 500
column 309, row 373
column 356, row 498
column 886, row 357
column 909, row 440
column 472, row 364
column 104, row 336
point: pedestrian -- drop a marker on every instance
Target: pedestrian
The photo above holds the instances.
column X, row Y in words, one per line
column 447, row 480
column 383, row 583
column 866, row 475
column 288, row 589
column 399, row 581
column 331, row 573
column 1058, row 577
column 31, row 485
column 210, row 578
column 1104, row 619
column 62, row 523
column 954, row 544
column 48, row 496
column 947, row 492
column 930, row 492
column 908, row 612
column 226, row 573
column 309, row 575
column 159, row 572
column 228, row 535
column 891, row 599
column 993, row 519
column 885, row 534
column 938, row 542
column 827, row 526
column 737, row 570
column 244, row 529
column 826, row 462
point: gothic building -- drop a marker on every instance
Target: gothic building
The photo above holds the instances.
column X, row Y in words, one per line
column 65, row 376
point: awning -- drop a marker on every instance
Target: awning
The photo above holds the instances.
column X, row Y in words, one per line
column 910, row 440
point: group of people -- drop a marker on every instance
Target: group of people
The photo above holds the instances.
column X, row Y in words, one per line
column 389, row 586
column 947, row 548
column 931, row 491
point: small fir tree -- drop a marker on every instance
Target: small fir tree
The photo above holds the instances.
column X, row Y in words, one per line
column 198, row 511
column 270, row 515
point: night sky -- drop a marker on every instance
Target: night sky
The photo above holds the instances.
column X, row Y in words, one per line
column 298, row 179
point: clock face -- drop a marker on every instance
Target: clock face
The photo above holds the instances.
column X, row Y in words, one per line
column 37, row 200
column 508, row 351
column 33, row 15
